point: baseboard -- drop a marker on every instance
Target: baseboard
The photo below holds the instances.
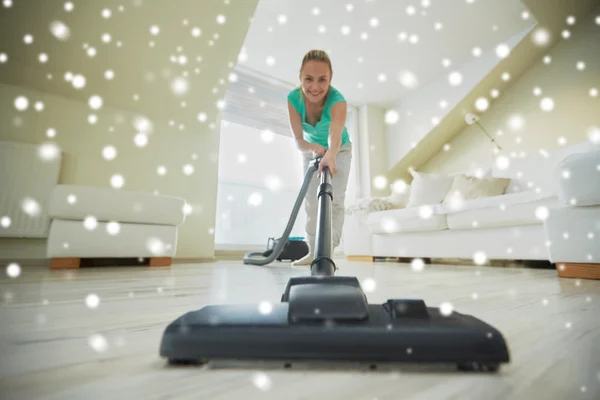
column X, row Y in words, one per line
column 228, row 255
column 193, row 260
column 47, row 262
column 542, row 264
column 23, row 248
column 26, row 262
column 238, row 255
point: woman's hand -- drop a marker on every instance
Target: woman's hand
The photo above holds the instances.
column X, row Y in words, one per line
column 318, row 150
column 328, row 161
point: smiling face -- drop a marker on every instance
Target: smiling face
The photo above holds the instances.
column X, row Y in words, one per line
column 315, row 79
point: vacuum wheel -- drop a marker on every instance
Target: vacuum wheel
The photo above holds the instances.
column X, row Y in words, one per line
column 475, row 366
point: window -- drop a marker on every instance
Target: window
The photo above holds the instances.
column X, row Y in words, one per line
column 260, row 176
column 260, row 169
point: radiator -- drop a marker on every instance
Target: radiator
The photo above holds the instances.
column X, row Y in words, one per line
column 27, row 180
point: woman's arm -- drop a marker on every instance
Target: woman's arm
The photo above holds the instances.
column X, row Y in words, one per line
column 338, row 121
column 296, row 124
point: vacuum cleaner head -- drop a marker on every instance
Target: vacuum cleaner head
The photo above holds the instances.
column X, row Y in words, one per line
column 328, row 318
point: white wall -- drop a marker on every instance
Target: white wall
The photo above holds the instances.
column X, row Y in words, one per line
column 372, row 145
column 575, row 112
column 417, row 109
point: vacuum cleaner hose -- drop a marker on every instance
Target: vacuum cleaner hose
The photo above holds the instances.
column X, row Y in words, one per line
column 261, row 258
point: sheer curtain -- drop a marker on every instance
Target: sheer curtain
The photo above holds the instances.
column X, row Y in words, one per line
column 260, row 175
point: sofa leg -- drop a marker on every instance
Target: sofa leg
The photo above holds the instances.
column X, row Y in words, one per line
column 361, row 258
column 160, row 261
column 578, row 270
column 64, row 263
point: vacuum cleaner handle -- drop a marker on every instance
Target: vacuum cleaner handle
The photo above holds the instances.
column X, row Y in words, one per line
column 322, row 264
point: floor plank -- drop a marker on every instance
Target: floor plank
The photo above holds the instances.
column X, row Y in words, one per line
column 94, row 333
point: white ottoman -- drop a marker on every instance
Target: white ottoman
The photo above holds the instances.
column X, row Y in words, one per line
column 102, row 223
column 573, row 229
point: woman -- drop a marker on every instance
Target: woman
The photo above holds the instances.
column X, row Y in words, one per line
column 318, row 119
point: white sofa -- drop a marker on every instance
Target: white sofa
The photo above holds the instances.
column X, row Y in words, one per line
column 104, row 223
column 518, row 224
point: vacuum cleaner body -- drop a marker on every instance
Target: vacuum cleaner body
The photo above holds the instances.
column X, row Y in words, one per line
column 293, row 249
column 327, row 317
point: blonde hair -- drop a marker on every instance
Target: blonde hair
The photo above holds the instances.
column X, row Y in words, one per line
column 314, row 55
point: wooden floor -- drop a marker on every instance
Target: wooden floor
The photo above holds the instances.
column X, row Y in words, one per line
column 54, row 346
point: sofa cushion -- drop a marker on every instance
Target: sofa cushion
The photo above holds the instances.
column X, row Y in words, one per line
column 414, row 219
column 400, row 194
column 495, row 201
column 428, row 188
column 519, row 185
column 502, row 214
column 468, row 188
column 74, row 202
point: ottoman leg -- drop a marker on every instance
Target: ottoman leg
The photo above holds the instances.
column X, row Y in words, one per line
column 578, row 270
column 64, row 263
column 160, row 261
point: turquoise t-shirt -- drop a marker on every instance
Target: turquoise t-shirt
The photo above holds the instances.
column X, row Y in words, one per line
column 318, row 133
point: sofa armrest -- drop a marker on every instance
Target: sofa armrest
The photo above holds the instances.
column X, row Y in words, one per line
column 573, row 234
column 577, row 179
column 76, row 202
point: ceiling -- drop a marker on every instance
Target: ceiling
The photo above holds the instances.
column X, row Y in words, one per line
column 167, row 59
column 549, row 14
column 282, row 31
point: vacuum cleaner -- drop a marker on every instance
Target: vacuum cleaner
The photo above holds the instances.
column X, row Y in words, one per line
column 294, row 249
column 323, row 317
